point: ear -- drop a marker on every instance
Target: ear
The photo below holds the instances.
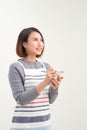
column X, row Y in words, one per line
column 24, row 44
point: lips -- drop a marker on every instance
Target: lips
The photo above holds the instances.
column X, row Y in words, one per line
column 39, row 49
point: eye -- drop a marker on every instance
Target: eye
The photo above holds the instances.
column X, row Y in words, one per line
column 41, row 40
column 35, row 39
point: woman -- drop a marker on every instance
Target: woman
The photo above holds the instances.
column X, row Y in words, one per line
column 34, row 84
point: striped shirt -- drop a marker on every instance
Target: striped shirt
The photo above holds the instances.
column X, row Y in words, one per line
column 32, row 111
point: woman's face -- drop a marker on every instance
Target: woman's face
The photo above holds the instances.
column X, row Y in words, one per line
column 34, row 45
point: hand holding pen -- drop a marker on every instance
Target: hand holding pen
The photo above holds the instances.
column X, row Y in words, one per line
column 57, row 79
column 54, row 77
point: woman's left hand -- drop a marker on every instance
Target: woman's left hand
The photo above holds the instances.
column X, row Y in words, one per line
column 55, row 81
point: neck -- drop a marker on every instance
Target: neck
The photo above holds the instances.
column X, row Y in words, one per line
column 30, row 58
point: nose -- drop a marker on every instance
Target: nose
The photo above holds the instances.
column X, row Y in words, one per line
column 40, row 43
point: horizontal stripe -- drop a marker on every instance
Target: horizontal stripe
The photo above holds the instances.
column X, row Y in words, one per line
column 38, row 71
column 43, row 96
column 45, row 91
column 35, row 76
column 31, row 110
column 37, row 102
column 28, row 83
column 34, row 125
column 33, row 81
column 29, row 114
column 38, row 128
column 47, row 103
column 30, row 119
column 31, row 106
column 43, row 99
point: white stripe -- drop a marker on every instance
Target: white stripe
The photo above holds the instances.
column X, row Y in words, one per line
column 45, row 91
column 43, row 96
column 26, row 114
column 34, row 77
column 33, row 81
column 29, row 84
column 40, row 100
column 38, row 71
column 33, row 125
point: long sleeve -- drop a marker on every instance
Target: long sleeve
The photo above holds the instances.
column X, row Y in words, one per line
column 52, row 95
column 16, row 81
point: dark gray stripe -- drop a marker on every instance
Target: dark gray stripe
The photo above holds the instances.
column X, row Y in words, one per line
column 34, row 79
column 30, row 110
column 30, row 119
column 36, row 75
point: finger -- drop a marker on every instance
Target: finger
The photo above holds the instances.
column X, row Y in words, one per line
column 60, row 77
column 52, row 70
column 55, row 82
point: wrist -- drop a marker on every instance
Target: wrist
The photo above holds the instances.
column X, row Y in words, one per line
column 46, row 82
column 41, row 86
column 53, row 87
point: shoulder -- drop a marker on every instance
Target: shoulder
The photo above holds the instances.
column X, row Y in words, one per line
column 15, row 66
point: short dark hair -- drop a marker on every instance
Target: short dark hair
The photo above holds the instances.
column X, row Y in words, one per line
column 23, row 37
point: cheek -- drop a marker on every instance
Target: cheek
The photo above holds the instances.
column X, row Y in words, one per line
column 30, row 46
column 43, row 45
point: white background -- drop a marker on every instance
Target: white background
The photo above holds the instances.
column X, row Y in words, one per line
column 63, row 24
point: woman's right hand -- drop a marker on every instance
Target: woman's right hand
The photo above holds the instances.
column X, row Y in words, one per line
column 49, row 76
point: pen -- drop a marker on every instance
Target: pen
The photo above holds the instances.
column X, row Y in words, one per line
column 58, row 72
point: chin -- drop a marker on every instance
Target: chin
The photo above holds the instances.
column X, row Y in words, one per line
column 38, row 55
